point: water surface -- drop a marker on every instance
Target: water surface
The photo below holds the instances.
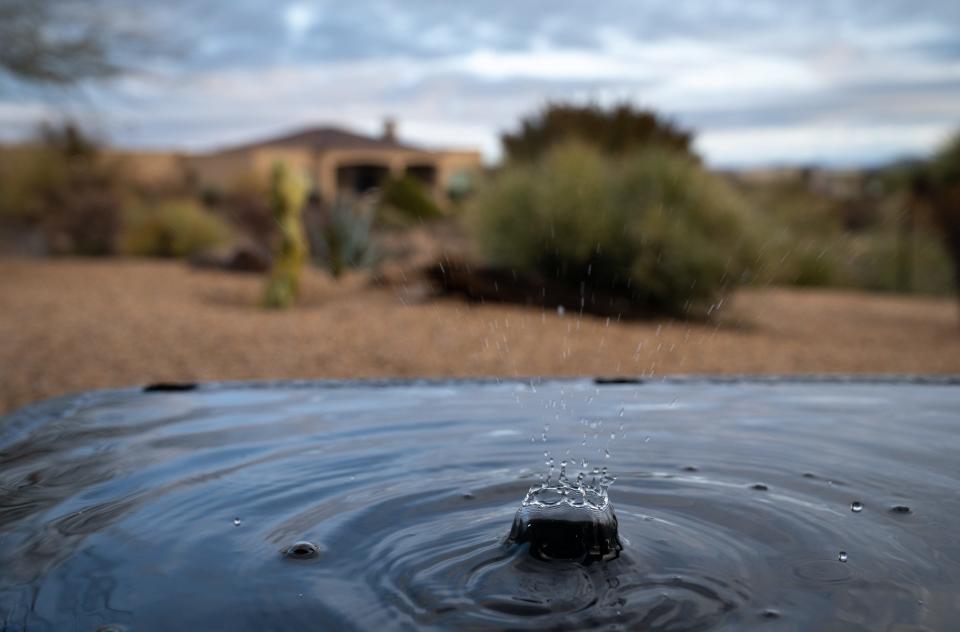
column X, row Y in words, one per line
column 767, row 505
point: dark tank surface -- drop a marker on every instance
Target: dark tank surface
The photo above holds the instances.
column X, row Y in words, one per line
column 739, row 504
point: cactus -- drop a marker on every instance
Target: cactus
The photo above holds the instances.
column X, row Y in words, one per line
column 288, row 193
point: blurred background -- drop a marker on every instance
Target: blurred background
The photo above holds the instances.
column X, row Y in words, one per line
column 250, row 190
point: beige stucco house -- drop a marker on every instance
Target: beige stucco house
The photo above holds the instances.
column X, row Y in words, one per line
column 339, row 162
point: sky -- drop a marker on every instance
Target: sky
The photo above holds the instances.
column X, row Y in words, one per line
column 760, row 83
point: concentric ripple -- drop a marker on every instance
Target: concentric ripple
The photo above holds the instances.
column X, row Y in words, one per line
column 740, row 505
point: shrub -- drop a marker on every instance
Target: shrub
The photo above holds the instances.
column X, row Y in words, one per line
column 620, row 129
column 407, row 198
column 342, row 236
column 64, row 184
column 172, row 229
column 937, row 184
column 653, row 226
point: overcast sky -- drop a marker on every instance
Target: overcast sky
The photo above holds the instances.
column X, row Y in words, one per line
column 784, row 82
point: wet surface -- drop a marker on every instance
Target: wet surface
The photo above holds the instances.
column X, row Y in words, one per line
column 767, row 505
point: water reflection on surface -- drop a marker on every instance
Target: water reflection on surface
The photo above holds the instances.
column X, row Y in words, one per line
column 804, row 505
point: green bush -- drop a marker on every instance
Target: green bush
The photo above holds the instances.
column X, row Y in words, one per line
column 617, row 130
column 876, row 258
column 652, row 226
column 405, row 199
column 172, row 229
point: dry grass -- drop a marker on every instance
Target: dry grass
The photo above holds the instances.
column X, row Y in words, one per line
column 71, row 325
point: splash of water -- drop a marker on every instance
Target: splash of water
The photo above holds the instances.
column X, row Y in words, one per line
column 579, row 493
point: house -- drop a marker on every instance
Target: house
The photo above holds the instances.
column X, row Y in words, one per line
column 339, row 162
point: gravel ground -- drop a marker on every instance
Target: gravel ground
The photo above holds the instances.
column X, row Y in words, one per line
column 68, row 325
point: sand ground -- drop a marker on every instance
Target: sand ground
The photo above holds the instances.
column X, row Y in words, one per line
column 68, row 325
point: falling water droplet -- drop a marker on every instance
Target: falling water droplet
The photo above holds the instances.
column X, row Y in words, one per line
column 560, row 311
column 236, row 522
column 606, row 453
column 646, row 439
column 843, row 556
column 856, row 506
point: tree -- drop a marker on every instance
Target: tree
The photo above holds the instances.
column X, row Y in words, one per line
column 936, row 184
column 62, row 42
column 614, row 131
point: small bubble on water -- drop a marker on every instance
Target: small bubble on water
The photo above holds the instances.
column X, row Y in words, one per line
column 842, row 556
column 856, row 506
column 237, row 522
column 302, row 550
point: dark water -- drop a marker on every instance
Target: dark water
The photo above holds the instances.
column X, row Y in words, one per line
column 735, row 501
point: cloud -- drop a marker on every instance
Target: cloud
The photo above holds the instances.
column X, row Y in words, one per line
column 758, row 80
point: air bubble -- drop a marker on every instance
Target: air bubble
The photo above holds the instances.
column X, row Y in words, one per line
column 842, row 556
column 856, row 506
column 237, row 522
column 302, row 550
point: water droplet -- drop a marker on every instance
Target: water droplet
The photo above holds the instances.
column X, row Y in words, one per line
column 236, row 522
column 560, row 311
column 900, row 509
column 467, row 496
column 691, row 468
column 646, row 439
column 620, row 413
column 770, row 613
column 856, row 506
column 606, row 453
column 843, row 556
column 760, row 487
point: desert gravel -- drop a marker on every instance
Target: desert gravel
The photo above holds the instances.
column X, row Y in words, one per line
column 69, row 325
